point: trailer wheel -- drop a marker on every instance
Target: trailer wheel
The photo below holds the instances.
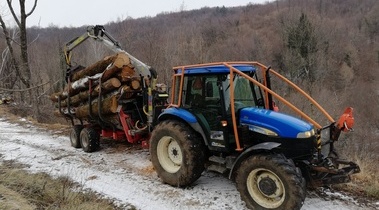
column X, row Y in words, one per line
column 75, row 136
column 270, row 182
column 177, row 153
column 89, row 140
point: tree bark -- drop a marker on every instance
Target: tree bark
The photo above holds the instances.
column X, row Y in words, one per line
column 73, row 89
column 107, row 106
column 22, row 69
column 95, row 68
column 79, row 81
column 121, row 61
column 9, row 42
column 83, row 96
column 108, row 85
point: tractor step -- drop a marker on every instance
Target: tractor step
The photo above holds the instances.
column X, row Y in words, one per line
column 217, row 168
column 218, row 164
column 217, row 159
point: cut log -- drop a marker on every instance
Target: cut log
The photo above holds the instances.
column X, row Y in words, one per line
column 107, row 106
column 75, row 88
column 54, row 97
column 95, row 68
column 122, row 61
column 135, row 84
column 83, row 96
column 76, row 99
column 107, row 86
column 126, row 92
column 126, row 74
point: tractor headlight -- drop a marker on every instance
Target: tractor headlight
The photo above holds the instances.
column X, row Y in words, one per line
column 306, row 134
column 267, row 132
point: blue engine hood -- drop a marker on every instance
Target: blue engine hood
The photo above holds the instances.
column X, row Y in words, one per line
column 284, row 125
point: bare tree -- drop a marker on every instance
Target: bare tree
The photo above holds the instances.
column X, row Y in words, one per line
column 22, row 67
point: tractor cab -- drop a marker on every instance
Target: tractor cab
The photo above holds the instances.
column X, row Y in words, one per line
column 206, row 93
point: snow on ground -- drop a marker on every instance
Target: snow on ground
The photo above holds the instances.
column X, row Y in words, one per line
column 124, row 173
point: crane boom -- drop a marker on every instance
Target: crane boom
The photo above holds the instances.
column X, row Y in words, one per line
column 99, row 34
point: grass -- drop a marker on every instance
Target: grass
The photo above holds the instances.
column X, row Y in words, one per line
column 365, row 183
column 43, row 192
column 367, row 178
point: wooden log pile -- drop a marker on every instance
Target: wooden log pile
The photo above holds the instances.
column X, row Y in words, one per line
column 110, row 78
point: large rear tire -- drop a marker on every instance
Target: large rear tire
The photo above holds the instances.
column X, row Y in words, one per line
column 89, row 140
column 270, row 182
column 177, row 153
column 75, row 136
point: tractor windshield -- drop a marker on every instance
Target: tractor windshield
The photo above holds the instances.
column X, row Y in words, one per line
column 245, row 93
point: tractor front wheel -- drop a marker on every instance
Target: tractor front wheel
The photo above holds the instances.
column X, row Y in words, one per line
column 177, row 153
column 89, row 140
column 270, row 182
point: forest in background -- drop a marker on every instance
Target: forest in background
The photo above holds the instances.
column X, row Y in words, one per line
column 330, row 48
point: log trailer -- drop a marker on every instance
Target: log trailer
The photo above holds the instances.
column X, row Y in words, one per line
column 221, row 117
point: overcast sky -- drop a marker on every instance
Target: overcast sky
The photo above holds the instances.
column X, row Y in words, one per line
column 91, row 12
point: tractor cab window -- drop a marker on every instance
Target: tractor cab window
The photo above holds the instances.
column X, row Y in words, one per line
column 201, row 91
column 245, row 93
column 176, row 89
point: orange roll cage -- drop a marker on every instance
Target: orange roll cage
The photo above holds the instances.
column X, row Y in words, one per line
column 267, row 91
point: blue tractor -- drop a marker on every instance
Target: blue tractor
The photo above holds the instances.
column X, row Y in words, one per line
column 222, row 118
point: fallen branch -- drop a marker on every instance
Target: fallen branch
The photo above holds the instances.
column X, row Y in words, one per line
column 22, row 90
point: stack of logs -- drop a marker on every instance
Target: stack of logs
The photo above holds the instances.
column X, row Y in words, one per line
column 112, row 78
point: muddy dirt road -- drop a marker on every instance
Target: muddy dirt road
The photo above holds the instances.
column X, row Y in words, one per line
column 124, row 173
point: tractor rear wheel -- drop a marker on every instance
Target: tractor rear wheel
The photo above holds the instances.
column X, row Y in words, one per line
column 270, row 182
column 75, row 136
column 89, row 140
column 177, row 153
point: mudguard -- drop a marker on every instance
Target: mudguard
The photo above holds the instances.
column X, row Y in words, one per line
column 267, row 146
column 186, row 116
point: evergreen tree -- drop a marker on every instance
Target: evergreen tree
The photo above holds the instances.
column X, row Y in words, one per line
column 302, row 43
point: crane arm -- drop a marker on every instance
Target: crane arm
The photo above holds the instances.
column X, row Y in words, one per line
column 98, row 33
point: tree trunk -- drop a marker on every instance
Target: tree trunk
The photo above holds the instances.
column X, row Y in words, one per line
column 121, row 61
column 73, row 89
column 108, row 85
column 95, row 68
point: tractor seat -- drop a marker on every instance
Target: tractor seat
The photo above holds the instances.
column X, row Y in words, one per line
column 198, row 101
